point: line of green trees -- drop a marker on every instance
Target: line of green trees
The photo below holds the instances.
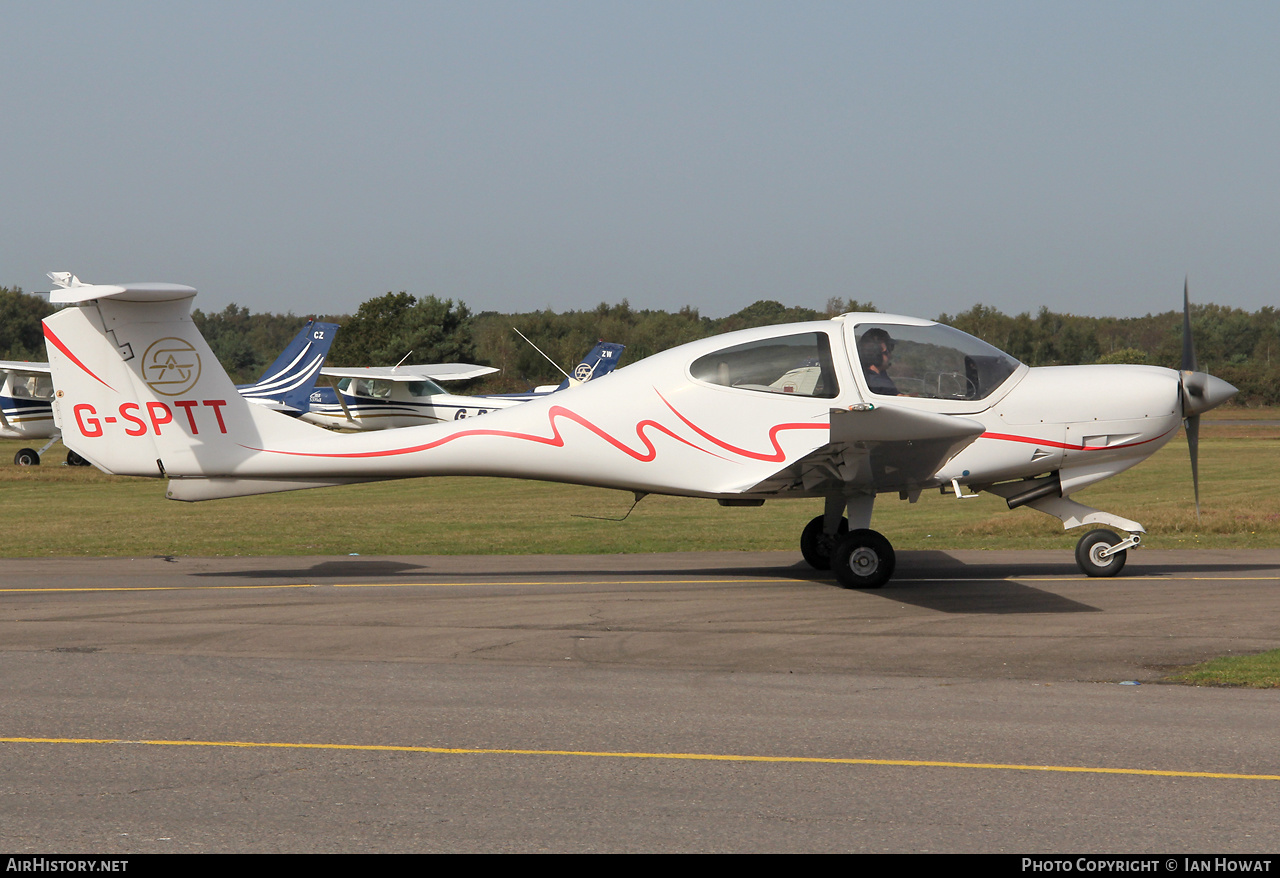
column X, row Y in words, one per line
column 1236, row 345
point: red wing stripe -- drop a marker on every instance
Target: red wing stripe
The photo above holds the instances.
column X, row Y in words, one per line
column 57, row 343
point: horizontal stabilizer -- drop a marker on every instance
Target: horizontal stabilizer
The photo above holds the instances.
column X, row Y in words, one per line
column 123, row 292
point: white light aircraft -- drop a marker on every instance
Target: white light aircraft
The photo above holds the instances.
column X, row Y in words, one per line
column 381, row 397
column 804, row 410
column 387, row 397
column 26, row 409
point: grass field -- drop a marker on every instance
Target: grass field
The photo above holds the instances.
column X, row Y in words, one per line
column 1251, row 671
column 58, row 510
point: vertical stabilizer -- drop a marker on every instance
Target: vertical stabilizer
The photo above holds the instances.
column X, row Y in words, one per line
column 139, row 392
column 600, row 361
column 291, row 379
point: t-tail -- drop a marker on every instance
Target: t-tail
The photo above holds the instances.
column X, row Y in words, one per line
column 139, row 392
column 290, row 380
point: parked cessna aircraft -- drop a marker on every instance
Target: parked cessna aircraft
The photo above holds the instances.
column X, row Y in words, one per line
column 26, row 409
column 27, row 389
column 839, row 410
column 380, row 398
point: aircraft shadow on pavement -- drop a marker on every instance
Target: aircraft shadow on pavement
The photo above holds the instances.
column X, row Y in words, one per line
column 913, row 566
column 338, row 568
column 932, row 580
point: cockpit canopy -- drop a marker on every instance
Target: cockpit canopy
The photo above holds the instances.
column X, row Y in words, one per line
column 932, row 361
column 896, row 356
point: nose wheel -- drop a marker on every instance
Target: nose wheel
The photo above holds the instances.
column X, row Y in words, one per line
column 1103, row 552
column 863, row 559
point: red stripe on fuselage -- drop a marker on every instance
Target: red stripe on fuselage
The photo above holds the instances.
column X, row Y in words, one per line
column 1031, row 440
column 555, row 440
column 778, row 455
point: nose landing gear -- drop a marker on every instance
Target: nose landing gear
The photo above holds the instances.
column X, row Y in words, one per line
column 1103, row 552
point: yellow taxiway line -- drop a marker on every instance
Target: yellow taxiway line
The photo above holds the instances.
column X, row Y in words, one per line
column 610, row 754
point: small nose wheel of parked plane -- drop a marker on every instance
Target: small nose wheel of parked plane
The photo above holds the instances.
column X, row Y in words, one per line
column 863, row 559
column 1103, row 552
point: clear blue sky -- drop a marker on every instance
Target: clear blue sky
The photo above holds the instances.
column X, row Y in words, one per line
column 925, row 156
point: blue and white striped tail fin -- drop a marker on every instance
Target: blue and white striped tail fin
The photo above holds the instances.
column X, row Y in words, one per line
column 290, row 380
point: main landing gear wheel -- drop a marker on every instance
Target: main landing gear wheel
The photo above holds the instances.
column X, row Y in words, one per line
column 816, row 546
column 74, row 459
column 1089, row 554
column 26, row 457
column 863, row 559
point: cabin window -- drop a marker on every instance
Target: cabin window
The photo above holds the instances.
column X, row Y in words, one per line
column 366, row 387
column 796, row 364
column 424, row 388
column 30, row 386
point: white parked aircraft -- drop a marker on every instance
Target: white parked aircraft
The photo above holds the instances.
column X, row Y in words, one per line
column 26, row 408
column 805, row 410
column 390, row 397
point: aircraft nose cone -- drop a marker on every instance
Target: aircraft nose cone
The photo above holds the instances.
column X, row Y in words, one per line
column 1202, row 392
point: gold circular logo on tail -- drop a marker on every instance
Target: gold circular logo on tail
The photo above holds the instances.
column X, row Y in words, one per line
column 171, row 366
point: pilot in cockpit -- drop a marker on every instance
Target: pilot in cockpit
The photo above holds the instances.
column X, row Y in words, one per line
column 875, row 349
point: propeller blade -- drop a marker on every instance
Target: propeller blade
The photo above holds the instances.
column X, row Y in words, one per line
column 1188, row 343
column 1199, row 391
column 1192, row 391
column 1192, row 425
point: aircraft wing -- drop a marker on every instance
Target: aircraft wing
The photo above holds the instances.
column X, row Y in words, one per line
column 426, row 372
column 24, row 366
column 884, row 448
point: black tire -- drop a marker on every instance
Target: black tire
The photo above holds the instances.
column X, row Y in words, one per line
column 816, row 546
column 1087, row 554
column 863, row 559
column 74, row 459
column 26, row 457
